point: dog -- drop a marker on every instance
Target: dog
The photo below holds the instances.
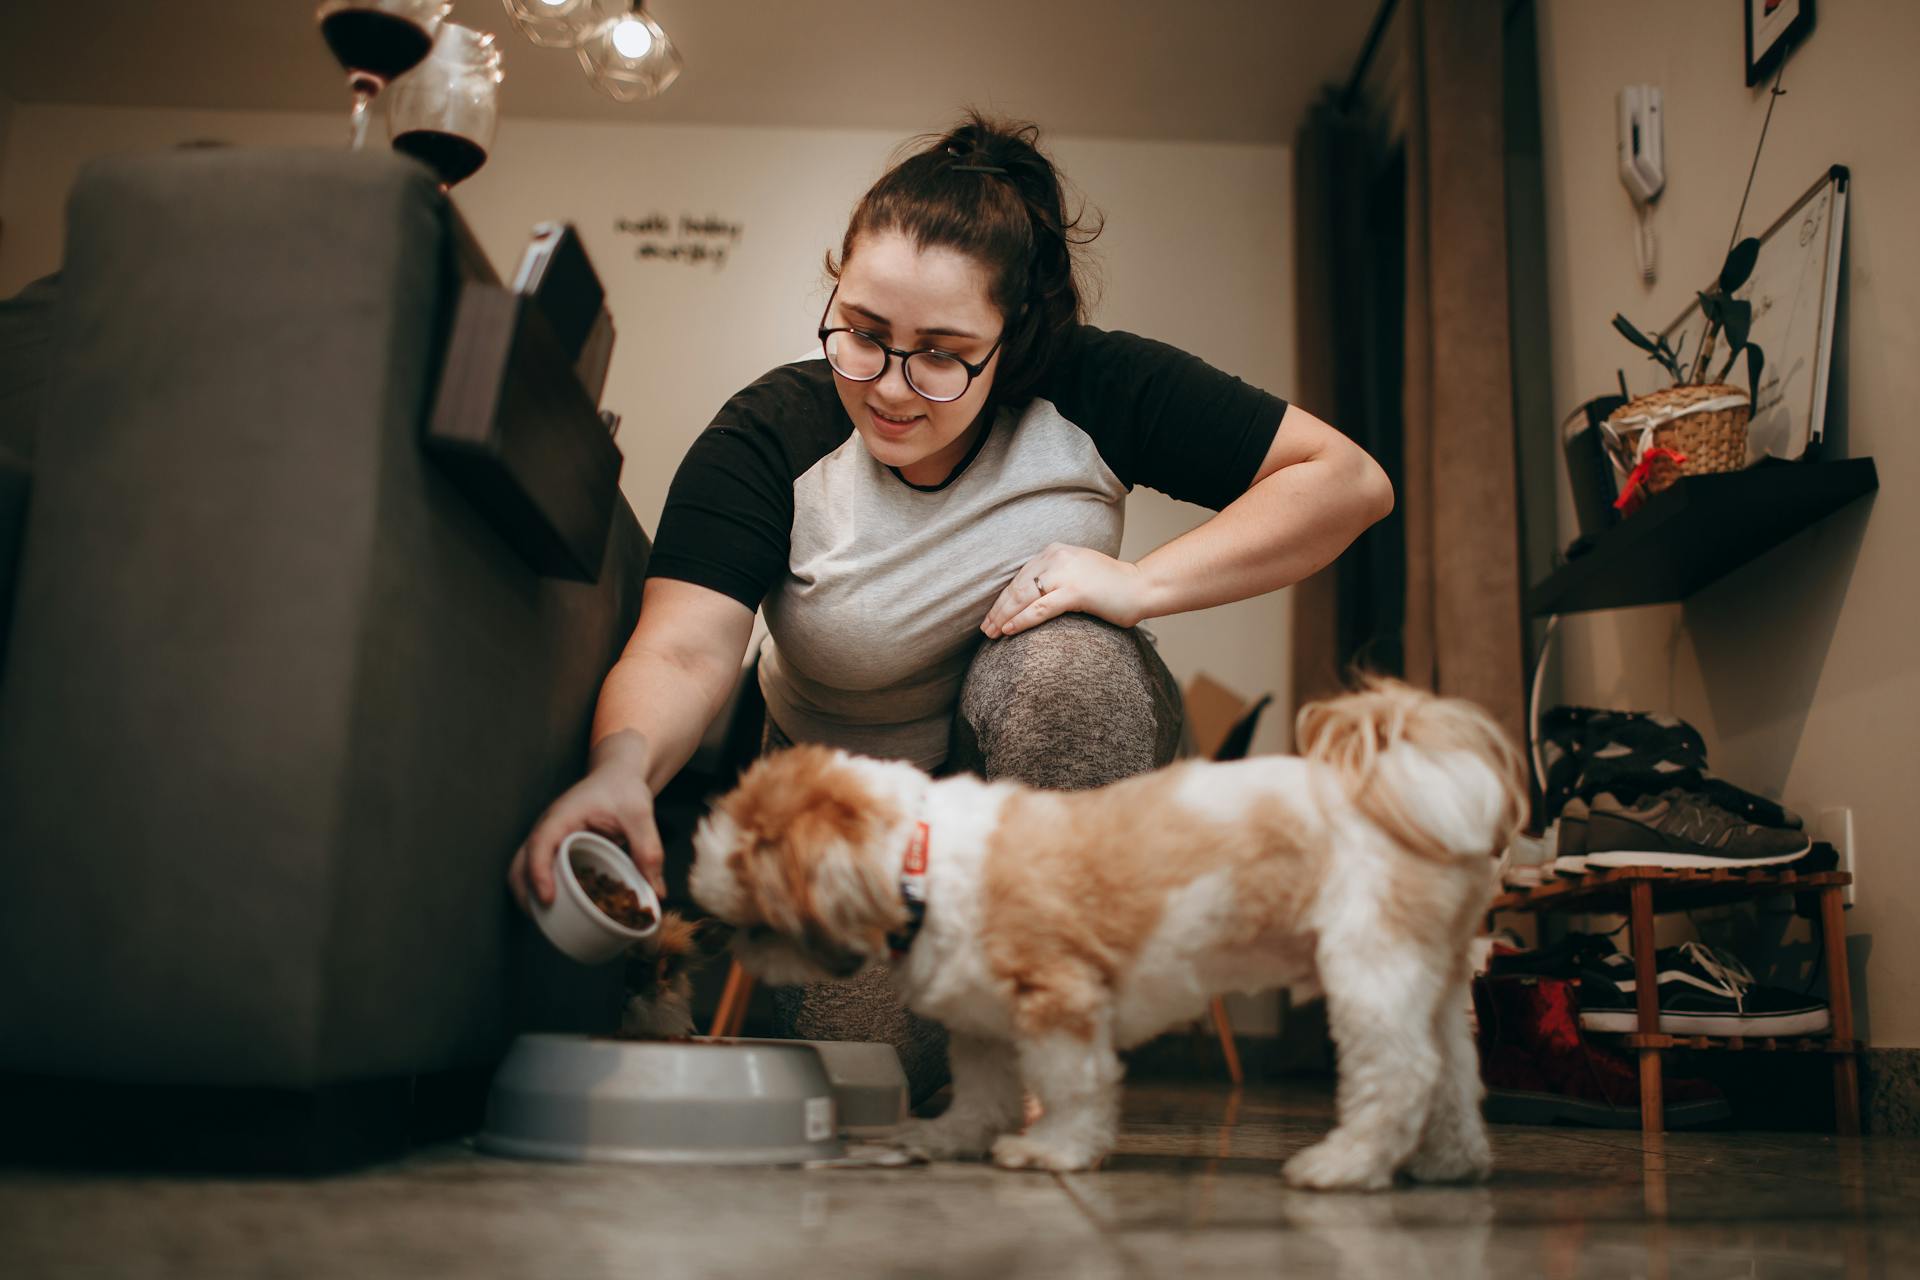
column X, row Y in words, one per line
column 1050, row 930
column 659, row 977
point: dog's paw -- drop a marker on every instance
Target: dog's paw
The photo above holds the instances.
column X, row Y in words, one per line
column 1338, row 1164
column 1025, row 1151
column 1467, row 1162
column 940, row 1141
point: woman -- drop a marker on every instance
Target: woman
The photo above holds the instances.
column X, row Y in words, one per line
column 930, row 518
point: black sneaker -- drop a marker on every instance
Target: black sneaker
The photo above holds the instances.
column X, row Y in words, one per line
column 1586, row 751
column 1570, row 957
column 1570, row 833
column 1703, row 992
column 1676, row 829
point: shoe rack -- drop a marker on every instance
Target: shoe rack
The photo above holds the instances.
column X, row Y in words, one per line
column 1641, row 893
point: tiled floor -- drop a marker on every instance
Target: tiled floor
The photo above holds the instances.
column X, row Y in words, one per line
column 1194, row 1191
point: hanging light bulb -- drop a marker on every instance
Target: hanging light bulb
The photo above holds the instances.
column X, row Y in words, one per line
column 631, row 38
column 628, row 57
column 557, row 24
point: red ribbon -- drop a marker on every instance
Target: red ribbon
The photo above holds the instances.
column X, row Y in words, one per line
column 1642, row 472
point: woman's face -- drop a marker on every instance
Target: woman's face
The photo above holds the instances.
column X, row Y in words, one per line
column 912, row 298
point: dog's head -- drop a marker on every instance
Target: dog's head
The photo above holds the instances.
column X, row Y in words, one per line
column 798, row 858
column 660, row 976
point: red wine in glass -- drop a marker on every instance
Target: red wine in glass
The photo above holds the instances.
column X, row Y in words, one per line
column 451, row 156
column 376, row 41
column 381, row 45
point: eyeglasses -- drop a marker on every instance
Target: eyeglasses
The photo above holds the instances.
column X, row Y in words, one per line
column 939, row 376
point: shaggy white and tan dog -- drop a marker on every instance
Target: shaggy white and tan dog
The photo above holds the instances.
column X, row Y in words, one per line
column 1056, row 928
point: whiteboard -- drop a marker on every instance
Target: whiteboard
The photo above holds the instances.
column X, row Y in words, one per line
column 1794, row 290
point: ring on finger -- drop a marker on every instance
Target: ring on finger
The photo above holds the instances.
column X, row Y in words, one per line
column 1038, row 585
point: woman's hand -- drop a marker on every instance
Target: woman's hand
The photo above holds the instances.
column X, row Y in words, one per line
column 613, row 800
column 1066, row 579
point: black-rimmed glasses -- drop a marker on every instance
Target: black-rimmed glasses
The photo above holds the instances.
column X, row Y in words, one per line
column 939, row 376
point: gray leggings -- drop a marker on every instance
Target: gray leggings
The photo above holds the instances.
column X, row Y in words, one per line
column 1073, row 703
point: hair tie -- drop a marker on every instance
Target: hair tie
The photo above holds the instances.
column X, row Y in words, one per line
column 978, row 168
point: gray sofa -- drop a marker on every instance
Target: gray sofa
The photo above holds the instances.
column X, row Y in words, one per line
column 276, row 702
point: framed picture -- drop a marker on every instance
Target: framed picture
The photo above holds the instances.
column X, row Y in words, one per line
column 1794, row 290
column 1773, row 27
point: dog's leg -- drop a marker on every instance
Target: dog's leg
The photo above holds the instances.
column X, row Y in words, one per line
column 986, row 1103
column 1380, row 1006
column 1453, row 1146
column 1077, row 1079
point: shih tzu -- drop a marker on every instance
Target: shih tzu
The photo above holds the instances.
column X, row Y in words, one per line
column 659, row 978
column 1049, row 930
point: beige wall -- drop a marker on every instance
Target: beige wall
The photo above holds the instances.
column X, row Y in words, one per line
column 1802, row 667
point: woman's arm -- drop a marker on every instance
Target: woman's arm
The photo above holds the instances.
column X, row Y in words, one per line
column 678, row 668
column 1313, row 494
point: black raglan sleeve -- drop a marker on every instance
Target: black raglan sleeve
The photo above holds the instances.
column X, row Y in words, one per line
column 1163, row 418
column 728, row 520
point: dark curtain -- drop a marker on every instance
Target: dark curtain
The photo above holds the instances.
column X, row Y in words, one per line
column 1350, row 218
column 1404, row 344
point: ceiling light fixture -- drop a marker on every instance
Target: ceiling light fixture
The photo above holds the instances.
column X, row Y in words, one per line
column 622, row 50
column 553, row 24
column 629, row 58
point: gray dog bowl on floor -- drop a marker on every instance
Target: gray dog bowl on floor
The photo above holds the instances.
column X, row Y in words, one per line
column 869, row 1084
column 561, row 1097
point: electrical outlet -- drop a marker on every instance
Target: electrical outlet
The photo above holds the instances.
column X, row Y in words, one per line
column 1835, row 826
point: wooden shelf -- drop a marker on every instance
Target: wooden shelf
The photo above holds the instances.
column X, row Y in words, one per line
column 1737, row 1044
column 1674, row 890
column 1699, row 530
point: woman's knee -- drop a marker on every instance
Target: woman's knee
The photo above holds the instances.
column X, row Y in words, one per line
column 1073, row 702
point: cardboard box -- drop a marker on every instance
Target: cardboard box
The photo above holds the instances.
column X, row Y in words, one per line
column 1213, row 712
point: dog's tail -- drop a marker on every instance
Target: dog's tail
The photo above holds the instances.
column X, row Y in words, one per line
column 1438, row 775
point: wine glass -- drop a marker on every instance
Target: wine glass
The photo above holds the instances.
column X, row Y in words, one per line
column 444, row 112
column 376, row 40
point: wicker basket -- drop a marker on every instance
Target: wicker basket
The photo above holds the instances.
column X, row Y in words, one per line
column 1705, row 424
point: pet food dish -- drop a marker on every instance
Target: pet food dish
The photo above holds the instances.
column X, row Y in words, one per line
column 588, row 863
column 569, row 1097
column 869, row 1084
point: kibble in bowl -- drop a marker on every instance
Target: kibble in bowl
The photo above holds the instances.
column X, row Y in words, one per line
column 601, row 907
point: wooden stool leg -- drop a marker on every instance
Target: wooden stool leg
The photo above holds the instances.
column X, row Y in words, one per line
column 740, row 1002
column 1646, row 992
column 1224, row 1029
column 1846, row 1066
column 733, row 1002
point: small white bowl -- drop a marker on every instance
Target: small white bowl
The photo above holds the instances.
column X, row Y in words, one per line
column 573, row 923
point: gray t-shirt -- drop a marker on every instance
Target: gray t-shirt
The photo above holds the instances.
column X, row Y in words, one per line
column 874, row 588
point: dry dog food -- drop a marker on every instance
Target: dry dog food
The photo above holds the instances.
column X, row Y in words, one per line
column 616, row 901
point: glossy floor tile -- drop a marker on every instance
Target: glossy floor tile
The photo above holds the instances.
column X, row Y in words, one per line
column 1194, row 1190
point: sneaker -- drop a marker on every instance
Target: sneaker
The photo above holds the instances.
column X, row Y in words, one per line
column 1703, row 992
column 1747, row 806
column 1587, row 751
column 1539, row 1068
column 1528, row 858
column 1676, row 829
column 1571, row 854
column 1567, row 958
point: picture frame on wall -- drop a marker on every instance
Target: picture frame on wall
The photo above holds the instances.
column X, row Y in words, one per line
column 1794, row 289
column 1773, row 28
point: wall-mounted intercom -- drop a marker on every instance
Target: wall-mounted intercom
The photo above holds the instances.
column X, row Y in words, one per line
column 1643, row 169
